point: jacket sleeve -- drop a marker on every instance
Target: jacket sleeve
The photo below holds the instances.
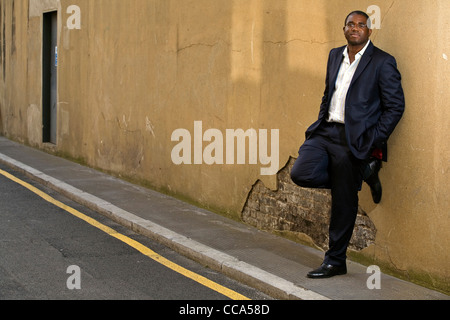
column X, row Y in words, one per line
column 324, row 104
column 325, row 98
column 392, row 101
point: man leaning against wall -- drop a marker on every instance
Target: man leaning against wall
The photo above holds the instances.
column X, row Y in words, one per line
column 361, row 106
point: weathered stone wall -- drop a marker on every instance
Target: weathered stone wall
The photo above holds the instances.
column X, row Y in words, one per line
column 300, row 210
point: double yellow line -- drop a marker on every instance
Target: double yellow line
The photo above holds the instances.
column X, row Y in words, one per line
column 132, row 243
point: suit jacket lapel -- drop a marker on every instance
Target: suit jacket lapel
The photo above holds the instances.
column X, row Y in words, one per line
column 365, row 59
column 334, row 70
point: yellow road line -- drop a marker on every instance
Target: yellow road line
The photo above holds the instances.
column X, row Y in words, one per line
column 132, row 243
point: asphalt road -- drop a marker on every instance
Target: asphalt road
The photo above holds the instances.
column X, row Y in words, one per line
column 47, row 253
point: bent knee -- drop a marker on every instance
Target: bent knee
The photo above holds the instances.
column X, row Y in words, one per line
column 309, row 181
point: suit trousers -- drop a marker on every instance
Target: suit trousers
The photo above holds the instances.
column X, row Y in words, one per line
column 325, row 161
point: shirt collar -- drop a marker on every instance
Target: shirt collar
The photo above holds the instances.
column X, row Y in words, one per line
column 359, row 54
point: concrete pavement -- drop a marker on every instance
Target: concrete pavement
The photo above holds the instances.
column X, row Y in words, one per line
column 274, row 265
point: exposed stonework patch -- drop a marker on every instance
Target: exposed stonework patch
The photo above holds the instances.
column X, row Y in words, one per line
column 295, row 209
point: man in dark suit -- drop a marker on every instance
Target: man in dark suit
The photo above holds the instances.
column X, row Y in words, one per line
column 362, row 104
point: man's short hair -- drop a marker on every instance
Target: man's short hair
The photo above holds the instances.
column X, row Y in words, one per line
column 362, row 13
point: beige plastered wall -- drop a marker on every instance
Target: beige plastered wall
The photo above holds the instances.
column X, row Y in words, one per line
column 138, row 70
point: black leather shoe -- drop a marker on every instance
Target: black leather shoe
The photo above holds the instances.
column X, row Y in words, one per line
column 327, row 271
column 373, row 180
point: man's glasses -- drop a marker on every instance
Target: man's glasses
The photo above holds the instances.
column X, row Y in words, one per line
column 352, row 25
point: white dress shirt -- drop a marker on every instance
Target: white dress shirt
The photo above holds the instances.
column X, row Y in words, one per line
column 336, row 111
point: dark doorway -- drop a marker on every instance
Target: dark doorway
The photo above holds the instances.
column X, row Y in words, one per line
column 49, row 76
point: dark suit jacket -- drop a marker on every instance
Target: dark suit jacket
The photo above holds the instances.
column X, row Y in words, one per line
column 374, row 104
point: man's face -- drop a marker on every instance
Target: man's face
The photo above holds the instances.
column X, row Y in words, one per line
column 356, row 30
